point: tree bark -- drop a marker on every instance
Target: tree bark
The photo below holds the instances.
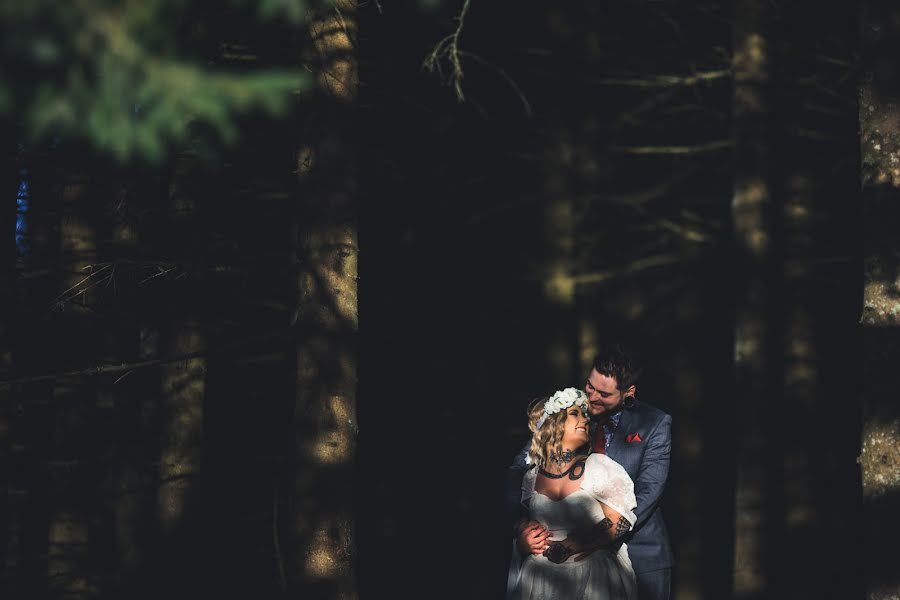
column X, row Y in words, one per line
column 563, row 334
column 69, row 540
column 879, row 116
column 134, row 501
column 183, row 386
column 323, row 493
column 752, row 223
column 9, row 517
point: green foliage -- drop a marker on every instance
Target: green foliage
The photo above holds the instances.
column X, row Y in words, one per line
column 110, row 72
column 294, row 10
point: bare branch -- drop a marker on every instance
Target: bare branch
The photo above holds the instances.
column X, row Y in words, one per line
column 641, row 264
column 638, row 200
column 630, row 116
column 658, row 81
column 833, row 60
column 109, row 270
column 77, row 288
column 103, row 369
column 127, row 368
column 695, row 149
column 448, row 48
column 503, row 74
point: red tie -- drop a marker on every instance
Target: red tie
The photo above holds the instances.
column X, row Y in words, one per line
column 600, row 439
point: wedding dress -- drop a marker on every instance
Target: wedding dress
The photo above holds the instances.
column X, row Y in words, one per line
column 605, row 574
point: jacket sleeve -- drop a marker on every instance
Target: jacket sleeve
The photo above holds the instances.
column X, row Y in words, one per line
column 514, row 475
column 654, row 469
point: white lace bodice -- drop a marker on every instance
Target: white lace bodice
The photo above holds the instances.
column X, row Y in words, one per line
column 604, row 480
column 600, row 576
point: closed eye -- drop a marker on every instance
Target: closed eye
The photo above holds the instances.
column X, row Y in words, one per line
column 593, row 389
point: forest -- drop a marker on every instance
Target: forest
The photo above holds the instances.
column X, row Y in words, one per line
column 282, row 276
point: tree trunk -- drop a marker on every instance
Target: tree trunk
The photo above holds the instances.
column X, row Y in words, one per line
column 9, row 516
column 819, row 339
column 133, row 500
column 323, row 494
column 563, row 335
column 879, row 97
column 71, row 486
column 33, row 430
column 752, row 272
column 182, row 394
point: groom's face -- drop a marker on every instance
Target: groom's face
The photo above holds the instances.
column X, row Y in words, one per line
column 603, row 394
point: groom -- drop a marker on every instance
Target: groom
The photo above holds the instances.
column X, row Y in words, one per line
column 638, row 437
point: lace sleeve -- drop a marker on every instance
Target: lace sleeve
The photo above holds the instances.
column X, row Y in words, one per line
column 528, row 481
column 607, row 482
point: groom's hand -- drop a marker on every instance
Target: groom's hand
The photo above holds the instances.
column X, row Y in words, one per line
column 585, row 551
column 533, row 538
column 558, row 552
column 583, row 544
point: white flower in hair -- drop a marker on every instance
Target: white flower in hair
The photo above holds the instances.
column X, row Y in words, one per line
column 561, row 400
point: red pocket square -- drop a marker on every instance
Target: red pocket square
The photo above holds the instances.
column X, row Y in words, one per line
column 632, row 437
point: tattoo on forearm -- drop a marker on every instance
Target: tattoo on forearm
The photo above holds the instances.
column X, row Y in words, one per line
column 605, row 524
column 622, row 527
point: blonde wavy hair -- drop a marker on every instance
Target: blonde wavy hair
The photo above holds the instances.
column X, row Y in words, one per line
column 547, row 441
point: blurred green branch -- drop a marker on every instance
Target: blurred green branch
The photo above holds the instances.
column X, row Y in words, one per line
column 111, row 73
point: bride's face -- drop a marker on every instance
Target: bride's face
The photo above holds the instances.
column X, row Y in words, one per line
column 575, row 432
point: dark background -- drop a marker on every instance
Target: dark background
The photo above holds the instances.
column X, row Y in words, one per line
column 457, row 329
column 593, row 153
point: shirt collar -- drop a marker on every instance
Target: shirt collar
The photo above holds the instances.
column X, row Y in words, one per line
column 613, row 421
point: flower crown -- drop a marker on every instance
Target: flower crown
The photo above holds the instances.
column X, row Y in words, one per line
column 560, row 400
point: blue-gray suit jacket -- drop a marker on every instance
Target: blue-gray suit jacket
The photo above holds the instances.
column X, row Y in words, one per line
column 647, row 463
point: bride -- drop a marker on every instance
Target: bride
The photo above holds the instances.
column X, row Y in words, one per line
column 586, row 504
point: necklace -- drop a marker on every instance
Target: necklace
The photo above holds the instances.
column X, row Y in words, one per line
column 574, row 472
column 564, row 457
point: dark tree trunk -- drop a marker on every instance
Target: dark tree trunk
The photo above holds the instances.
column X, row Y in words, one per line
column 71, row 465
column 130, row 438
column 559, row 320
column 10, row 523
column 754, row 262
column 879, row 111
column 321, row 536
column 182, row 390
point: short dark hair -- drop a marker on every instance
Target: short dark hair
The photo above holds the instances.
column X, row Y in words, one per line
column 613, row 361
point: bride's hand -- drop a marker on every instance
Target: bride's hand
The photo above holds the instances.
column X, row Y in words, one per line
column 533, row 538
